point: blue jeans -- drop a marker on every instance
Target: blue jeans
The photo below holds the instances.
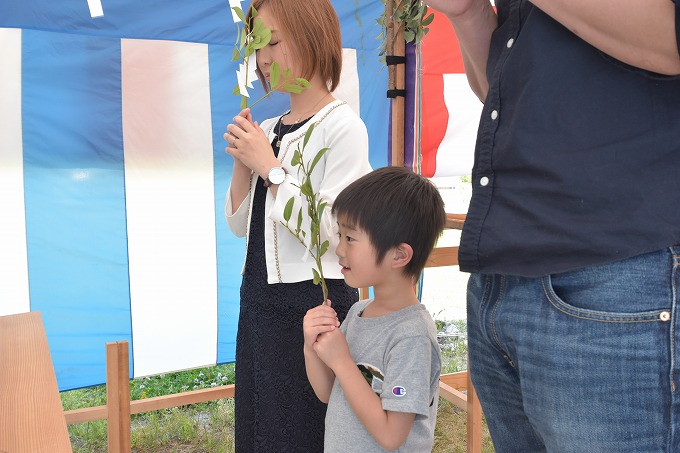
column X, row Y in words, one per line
column 583, row 361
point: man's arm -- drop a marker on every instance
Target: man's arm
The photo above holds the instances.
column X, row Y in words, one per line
column 639, row 33
column 473, row 21
column 390, row 429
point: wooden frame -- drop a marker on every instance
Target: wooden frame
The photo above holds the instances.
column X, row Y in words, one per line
column 455, row 387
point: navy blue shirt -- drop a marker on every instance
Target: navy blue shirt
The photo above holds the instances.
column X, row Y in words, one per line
column 577, row 160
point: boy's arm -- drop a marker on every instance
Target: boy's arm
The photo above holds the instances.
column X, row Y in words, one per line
column 390, row 429
column 318, row 320
column 320, row 376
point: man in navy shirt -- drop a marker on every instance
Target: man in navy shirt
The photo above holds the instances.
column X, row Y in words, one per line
column 573, row 231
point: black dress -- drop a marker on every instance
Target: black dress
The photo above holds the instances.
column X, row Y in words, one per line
column 276, row 408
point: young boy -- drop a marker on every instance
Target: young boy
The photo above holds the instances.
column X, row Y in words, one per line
column 379, row 370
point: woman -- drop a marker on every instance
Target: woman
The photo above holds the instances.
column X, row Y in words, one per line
column 276, row 409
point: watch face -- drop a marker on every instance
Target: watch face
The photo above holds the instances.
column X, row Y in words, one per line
column 277, row 175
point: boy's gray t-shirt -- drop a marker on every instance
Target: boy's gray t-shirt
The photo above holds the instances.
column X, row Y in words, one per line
column 399, row 355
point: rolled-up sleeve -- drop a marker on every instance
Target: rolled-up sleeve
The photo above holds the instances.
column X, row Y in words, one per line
column 238, row 219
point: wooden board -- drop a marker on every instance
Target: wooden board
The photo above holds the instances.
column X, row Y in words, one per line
column 31, row 416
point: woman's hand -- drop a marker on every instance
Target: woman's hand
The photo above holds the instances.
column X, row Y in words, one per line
column 249, row 144
column 245, row 113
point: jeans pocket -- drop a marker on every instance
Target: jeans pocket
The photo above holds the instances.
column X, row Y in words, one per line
column 588, row 299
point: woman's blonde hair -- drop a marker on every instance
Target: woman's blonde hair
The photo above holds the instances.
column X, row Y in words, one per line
column 313, row 29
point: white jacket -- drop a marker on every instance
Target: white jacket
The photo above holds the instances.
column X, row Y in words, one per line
column 336, row 127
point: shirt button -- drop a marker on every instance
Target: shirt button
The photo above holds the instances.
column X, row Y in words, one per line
column 484, row 181
column 510, row 42
column 494, row 114
column 664, row 316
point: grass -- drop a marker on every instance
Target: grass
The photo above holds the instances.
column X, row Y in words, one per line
column 209, row 427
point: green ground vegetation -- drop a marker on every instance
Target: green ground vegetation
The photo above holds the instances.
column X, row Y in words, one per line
column 209, row 427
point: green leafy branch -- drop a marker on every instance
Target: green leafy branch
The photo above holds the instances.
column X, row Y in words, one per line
column 248, row 42
column 412, row 15
column 315, row 209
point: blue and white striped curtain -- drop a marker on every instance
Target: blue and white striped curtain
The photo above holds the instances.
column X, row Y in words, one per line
column 113, row 174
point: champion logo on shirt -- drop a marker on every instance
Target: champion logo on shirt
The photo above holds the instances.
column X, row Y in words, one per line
column 398, row 390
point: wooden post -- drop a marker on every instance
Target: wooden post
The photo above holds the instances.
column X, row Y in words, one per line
column 398, row 102
column 396, row 79
column 118, row 396
column 389, row 42
column 474, row 419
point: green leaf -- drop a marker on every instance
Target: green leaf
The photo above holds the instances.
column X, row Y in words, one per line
column 323, row 248
column 236, row 90
column 237, row 43
column 260, row 35
column 318, row 157
column 306, row 188
column 317, row 277
column 292, row 88
column 321, row 207
column 288, row 210
column 419, row 36
column 242, row 39
column 236, row 55
column 239, row 13
column 297, row 158
column 244, row 102
column 303, row 82
column 258, row 26
column 299, row 219
column 308, row 134
column 274, row 74
column 428, row 20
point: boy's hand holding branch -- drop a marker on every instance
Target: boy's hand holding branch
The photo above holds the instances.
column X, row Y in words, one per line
column 319, row 320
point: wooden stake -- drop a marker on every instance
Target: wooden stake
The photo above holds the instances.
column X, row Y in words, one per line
column 118, row 396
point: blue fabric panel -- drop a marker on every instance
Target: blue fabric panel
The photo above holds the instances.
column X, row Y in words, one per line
column 230, row 249
column 205, row 21
column 360, row 31
column 75, row 199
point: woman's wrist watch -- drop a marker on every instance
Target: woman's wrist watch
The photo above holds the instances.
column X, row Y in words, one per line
column 276, row 176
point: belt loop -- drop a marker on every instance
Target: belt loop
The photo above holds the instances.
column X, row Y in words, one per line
column 675, row 251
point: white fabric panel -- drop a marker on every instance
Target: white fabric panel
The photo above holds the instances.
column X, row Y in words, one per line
column 14, row 295
column 96, row 9
column 170, row 204
column 348, row 88
column 457, row 149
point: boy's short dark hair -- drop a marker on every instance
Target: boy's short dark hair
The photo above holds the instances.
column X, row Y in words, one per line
column 394, row 205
